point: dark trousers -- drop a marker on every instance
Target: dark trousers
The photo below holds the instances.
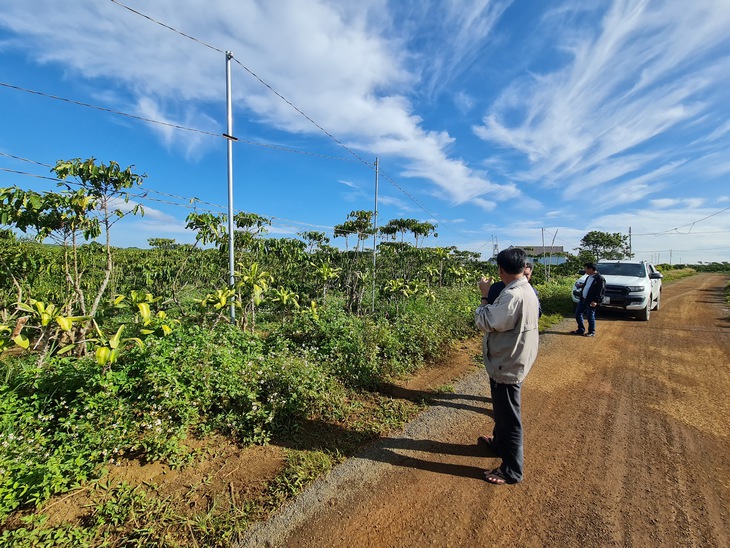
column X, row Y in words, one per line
column 508, row 428
column 585, row 308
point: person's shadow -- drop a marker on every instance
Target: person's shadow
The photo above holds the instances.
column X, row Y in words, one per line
column 434, row 397
column 386, row 451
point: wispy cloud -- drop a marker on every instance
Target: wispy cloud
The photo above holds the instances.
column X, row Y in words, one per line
column 334, row 61
column 486, row 205
column 664, row 203
column 604, row 114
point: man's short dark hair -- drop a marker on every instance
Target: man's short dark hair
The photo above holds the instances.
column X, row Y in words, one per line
column 512, row 260
column 590, row 266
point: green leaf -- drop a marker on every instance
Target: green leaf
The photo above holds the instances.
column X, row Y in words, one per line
column 25, row 308
column 102, row 355
column 65, row 323
column 144, row 312
column 22, row 341
column 66, row 349
column 115, row 340
column 113, row 355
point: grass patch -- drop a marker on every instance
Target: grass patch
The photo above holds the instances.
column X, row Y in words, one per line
column 677, row 274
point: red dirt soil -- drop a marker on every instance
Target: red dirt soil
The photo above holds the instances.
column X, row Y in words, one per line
column 627, row 437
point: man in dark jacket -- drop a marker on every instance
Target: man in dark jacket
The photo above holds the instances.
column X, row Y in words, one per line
column 497, row 287
column 590, row 297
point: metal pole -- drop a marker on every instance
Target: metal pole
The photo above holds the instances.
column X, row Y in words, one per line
column 229, row 135
column 375, row 227
column 542, row 232
column 630, row 253
column 552, row 246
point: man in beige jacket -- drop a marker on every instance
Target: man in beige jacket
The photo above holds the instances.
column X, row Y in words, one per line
column 509, row 347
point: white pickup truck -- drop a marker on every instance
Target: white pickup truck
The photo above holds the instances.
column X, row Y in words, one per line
column 630, row 285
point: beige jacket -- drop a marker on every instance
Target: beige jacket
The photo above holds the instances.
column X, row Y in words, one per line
column 510, row 332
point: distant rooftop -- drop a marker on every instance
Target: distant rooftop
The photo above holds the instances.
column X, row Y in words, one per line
column 540, row 250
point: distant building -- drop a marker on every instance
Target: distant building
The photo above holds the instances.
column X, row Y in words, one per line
column 544, row 254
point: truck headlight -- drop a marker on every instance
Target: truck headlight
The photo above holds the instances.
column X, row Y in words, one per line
column 636, row 288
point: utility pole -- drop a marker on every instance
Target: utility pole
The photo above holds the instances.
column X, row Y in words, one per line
column 229, row 136
column 630, row 254
column 375, row 226
column 542, row 231
column 552, row 246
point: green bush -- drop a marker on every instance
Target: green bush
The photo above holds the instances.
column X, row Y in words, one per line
column 61, row 423
column 363, row 351
column 555, row 296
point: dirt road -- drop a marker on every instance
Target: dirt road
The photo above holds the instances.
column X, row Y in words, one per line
column 627, row 443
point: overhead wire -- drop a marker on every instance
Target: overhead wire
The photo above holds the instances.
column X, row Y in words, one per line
column 277, row 147
column 291, row 104
column 105, row 109
column 670, row 230
column 190, row 203
column 167, row 26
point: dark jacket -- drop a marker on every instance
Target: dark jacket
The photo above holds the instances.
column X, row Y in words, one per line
column 597, row 289
column 497, row 288
column 494, row 291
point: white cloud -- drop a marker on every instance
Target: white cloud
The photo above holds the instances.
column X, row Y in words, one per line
column 688, row 234
column 665, row 203
column 399, row 203
column 463, row 102
column 486, row 205
column 335, row 61
column 646, row 73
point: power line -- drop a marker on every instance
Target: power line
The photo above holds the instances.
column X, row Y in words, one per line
column 167, row 26
column 177, row 126
column 433, row 214
column 191, row 203
column 251, row 72
column 666, row 232
column 16, row 172
column 292, row 105
column 104, row 109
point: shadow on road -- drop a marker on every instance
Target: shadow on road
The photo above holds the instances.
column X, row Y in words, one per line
column 396, row 451
column 434, row 398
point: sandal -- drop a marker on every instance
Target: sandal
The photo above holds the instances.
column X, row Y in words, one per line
column 495, row 477
column 486, row 441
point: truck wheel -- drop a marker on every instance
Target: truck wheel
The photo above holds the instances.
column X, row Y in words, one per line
column 658, row 301
column 645, row 312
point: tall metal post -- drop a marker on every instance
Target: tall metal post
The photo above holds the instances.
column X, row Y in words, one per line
column 630, row 253
column 230, row 138
column 375, row 227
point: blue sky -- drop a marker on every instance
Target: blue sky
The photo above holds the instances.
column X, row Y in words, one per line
column 506, row 121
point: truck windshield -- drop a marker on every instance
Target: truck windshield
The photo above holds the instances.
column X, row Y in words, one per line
column 622, row 269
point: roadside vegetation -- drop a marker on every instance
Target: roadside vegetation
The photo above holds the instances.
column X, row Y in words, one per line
column 110, row 355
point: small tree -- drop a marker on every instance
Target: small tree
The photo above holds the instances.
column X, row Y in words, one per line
column 314, row 239
column 598, row 245
column 107, row 186
column 67, row 216
column 359, row 223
